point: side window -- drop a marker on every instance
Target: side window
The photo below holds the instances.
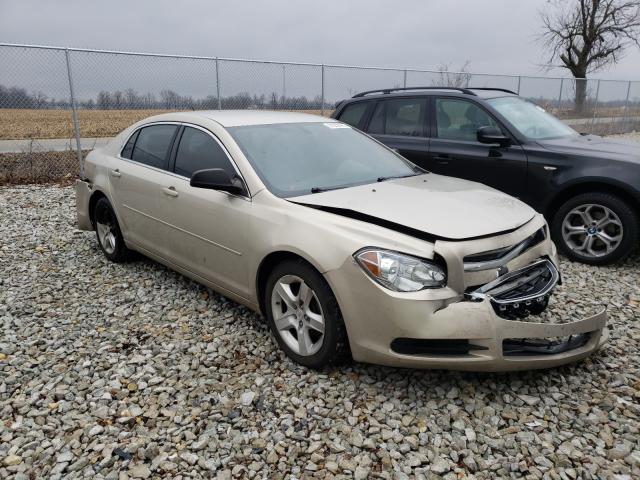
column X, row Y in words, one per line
column 152, row 145
column 400, row 116
column 352, row 114
column 128, row 148
column 376, row 125
column 460, row 119
column 197, row 151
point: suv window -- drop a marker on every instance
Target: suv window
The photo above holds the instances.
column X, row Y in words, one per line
column 400, row 116
column 352, row 114
column 460, row 119
column 152, row 145
column 198, row 151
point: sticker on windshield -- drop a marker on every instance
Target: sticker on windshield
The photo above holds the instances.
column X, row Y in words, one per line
column 336, row 125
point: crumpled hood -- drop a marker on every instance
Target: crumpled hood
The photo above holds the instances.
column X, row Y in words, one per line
column 593, row 145
column 444, row 207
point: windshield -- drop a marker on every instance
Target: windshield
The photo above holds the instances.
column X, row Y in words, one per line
column 532, row 121
column 300, row 158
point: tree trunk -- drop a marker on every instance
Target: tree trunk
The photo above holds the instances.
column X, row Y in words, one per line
column 581, row 95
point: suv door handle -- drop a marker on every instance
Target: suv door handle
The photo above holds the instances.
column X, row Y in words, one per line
column 171, row 191
column 442, row 159
column 116, row 173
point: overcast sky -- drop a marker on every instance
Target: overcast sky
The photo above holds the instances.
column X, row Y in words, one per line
column 495, row 36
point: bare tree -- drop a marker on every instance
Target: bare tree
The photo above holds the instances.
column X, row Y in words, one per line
column 586, row 35
column 447, row 78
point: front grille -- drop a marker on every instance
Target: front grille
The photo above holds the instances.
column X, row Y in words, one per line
column 513, row 347
column 520, row 293
column 496, row 258
column 421, row 346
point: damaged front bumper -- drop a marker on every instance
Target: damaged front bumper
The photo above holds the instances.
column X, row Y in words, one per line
column 483, row 320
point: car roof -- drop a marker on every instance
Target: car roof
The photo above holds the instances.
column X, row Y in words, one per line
column 236, row 118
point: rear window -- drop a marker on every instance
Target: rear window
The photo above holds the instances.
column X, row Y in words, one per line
column 401, row 116
column 128, row 148
column 152, row 145
column 353, row 113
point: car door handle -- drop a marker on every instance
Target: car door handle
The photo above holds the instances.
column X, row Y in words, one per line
column 171, row 191
column 442, row 159
column 116, row 173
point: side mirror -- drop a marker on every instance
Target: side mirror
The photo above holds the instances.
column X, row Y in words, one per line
column 216, row 179
column 493, row 135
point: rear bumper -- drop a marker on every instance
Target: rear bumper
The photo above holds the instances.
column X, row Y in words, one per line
column 83, row 196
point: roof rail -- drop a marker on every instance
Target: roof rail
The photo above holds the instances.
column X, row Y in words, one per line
column 386, row 91
column 493, row 88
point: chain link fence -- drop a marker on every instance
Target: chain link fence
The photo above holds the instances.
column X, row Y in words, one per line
column 57, row 103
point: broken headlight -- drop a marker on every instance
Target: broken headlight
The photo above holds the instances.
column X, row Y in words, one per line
column 400, row 272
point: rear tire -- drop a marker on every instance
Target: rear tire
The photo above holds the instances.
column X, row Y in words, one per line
column 108, row 233
column 304, row 316
column 595, row 228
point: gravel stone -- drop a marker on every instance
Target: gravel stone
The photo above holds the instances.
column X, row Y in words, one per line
column 133, row 371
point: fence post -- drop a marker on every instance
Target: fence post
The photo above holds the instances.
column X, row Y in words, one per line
column 519, row 81
column 405, row 79
column 74, row 114
column 218, row 82
column 284, row 86
column 322, row 89
column 560, row 95
column 626, row 109
column 595, row 107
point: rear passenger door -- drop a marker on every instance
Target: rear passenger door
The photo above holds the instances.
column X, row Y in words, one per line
column 400, row 123
column 208, row 234
column 137, row 186
column 455, row 151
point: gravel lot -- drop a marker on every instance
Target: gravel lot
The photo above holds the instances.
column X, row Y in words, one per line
column 120, row 371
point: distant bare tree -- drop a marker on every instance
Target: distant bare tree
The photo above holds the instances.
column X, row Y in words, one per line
column 448, row 78
column 587, row 35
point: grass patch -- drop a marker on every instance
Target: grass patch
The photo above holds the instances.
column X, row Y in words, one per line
column 38, row 167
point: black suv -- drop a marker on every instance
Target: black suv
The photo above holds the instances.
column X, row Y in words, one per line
column 588, row 187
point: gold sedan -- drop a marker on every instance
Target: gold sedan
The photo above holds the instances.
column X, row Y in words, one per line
column 343, row 245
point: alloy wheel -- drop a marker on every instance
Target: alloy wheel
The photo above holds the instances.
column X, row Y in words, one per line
column 592, row 230
column 297, row 315
column 107, row 233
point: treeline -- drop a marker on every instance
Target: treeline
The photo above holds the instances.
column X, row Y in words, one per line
column 129, row 99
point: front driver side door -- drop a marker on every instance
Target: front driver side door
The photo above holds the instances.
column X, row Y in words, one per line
column 454, row 149
column 208, row 234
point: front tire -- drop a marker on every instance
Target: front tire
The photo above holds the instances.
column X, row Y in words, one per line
column 595, row 228
column 304, row 316
column 108, row 233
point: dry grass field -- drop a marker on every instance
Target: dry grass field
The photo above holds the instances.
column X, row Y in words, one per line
column 33, row 123
column 26, row 123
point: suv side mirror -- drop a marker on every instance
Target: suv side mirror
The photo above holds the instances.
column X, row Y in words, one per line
column 216, row 179
column 493, row 135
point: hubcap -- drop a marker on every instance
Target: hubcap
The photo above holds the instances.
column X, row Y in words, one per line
column 106, row 235
column 297, row 315
column 592, row 230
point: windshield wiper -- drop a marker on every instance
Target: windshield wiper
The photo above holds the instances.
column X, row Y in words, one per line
column 382, row 179
column 326, row 189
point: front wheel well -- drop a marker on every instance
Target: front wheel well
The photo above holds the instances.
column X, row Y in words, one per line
column 591, row 187
column 95, row 196
column 266, row 267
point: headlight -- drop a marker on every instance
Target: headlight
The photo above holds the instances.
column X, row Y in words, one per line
column 399, row 272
